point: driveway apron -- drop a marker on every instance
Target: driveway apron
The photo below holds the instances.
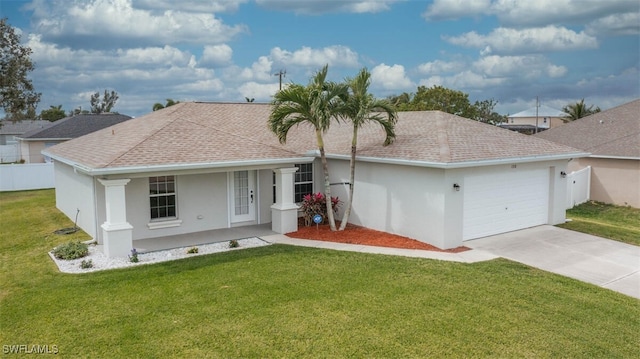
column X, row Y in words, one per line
column 603, row 262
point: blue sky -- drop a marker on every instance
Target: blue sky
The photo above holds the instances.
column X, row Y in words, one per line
column 191, row 50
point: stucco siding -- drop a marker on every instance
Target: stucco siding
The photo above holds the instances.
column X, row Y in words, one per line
column 201, row 205
column 422, row 203
column 75, row 191
column 403, row 200
column 265, row 195
column 615, row 181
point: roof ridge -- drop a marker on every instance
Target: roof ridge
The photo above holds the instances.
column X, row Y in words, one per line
column 177, row 107
column 283, row 148
column 443, row 140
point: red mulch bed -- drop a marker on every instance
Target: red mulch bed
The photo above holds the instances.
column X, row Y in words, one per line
column 360, row 235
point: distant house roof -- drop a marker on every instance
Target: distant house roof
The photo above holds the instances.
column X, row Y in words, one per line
column 611, row 133
column 21, row 127
column 543, row 111
column 75, row 126
column 208, row 134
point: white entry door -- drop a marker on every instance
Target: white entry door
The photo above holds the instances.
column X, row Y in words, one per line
column 243, row 196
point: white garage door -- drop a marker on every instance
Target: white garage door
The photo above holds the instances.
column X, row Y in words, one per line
column 503, row 202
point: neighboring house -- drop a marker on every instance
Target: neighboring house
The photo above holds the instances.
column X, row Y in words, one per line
column 613, row 139
column 544, row 117
column 33, row 142
column 9, row 130
column 202, row 166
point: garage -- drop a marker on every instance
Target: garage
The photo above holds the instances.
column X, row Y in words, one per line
column 498, row 202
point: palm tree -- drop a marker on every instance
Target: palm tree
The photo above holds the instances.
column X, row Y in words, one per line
column 315, row 104
column 359, row 108
column 578, row 110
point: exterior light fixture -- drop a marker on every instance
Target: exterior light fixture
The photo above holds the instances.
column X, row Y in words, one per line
column 456, row 187
column 563, row 174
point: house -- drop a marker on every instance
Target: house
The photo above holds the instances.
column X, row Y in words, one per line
column 613, row 139
column 203, row 166
column 9, row 130
column 33, row 142
column 544, row 117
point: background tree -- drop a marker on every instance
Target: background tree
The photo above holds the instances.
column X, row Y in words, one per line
column 106, row 104
column 483, row 112
column 17, row 97
column 449, row 101
column 359, row 108
column 158, row 106
column 578, row 110
column 54, row 113
column 316, row 104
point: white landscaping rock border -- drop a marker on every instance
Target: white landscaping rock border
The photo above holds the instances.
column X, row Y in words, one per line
column 101, row 262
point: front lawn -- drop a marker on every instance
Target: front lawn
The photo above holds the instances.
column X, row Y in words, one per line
column 605, row 220
column 285, row 301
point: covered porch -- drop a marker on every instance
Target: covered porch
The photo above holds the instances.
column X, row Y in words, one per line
column 204, row 237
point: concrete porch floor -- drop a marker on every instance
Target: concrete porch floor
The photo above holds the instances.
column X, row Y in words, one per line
column 206, row 237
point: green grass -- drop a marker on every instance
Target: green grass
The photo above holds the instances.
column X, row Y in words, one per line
column 606, row 220
column 291, row 302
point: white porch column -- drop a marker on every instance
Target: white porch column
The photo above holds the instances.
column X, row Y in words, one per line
column 116, row 231
column 284, row 213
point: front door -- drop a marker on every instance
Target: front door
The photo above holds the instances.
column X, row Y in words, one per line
column 243, row 196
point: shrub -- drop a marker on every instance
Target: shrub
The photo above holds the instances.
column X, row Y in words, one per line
column 313, row 204
column 134, row 256
column 71, row 250
column 234, row 243
column 192, row 250
column 86, row 264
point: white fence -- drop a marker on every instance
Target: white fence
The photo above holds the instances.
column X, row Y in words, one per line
column 578, row 186
column 18, row 177
column 9, row 153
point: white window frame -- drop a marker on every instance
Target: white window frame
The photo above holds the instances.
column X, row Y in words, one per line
column 166, row 194
column 296, row 181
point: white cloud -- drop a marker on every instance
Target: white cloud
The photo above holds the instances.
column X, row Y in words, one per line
column 518, row 13
column 192, row 5
column 452, row 9
column 540, row 12
column 216, row 55
column 260, row 70
column 439, row 67
column 306, row 56
column 315, row 7
column 390, row 77
column 101, row 21
column 518, row 66
column 506, row 40
column 259, row 92
column 617, row 24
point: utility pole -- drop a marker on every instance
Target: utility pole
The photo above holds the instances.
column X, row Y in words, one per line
column 281, row 74
column 537, row 105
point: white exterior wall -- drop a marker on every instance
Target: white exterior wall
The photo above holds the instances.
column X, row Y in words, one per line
column 403, row 200
column 75, row 191
column 201, row 205
column 421, row 203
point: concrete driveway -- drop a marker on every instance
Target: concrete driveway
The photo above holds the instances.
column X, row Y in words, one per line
column 606, row 263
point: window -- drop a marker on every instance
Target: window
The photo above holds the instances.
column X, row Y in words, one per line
column 162, row 197
column 303, row 182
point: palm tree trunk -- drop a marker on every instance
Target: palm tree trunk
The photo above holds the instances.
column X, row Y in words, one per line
column 352, row 177
column 327, row 184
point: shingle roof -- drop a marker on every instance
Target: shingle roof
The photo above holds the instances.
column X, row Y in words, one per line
column 75, row 126
column 614, row 132
column 21, row 127
column 189, row 133
column 543, row 111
